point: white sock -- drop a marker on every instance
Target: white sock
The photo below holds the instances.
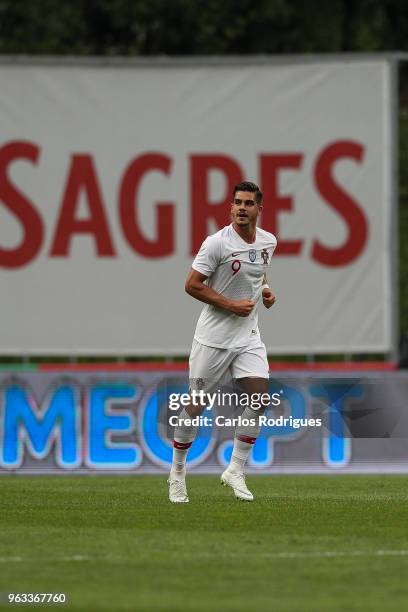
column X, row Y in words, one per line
column 178, row 466
column 239, row 456
column 245, row 438
column 184, row 436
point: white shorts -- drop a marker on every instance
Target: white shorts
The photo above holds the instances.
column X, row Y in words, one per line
column 209, row 364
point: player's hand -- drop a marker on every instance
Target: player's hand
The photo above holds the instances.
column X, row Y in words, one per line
column 268, row 297
column 242, row 308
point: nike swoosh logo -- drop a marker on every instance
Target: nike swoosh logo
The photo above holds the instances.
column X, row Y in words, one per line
column 235, row 254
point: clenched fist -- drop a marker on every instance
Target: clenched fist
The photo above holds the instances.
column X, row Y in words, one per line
column 242, row 308
column 268, row 297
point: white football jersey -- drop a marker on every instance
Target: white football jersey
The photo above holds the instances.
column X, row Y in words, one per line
column 235, row 269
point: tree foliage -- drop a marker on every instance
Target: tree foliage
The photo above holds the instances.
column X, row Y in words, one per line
column 205, row 27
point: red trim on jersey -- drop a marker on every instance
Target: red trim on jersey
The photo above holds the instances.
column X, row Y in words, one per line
column 247, row 439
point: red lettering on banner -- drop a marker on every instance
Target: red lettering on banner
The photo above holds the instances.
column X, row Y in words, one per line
column 271, row 165
column 201, row 207
column 20, row 206
column 164, row 243
column 343, row 203
column 82, row 176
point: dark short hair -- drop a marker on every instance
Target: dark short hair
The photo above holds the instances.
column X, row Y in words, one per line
column 251, row 187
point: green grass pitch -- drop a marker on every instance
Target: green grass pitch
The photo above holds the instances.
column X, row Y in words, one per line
column 307, row 543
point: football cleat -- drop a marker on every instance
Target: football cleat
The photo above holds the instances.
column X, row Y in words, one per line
column 237, row 483
column 178, row 491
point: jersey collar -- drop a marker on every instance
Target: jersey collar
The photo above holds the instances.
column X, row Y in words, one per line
column 247, row 244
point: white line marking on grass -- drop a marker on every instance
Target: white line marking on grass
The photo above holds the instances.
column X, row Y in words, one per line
column 272, row 555
column 72, row 558
column 334, row 553
column 390, row 553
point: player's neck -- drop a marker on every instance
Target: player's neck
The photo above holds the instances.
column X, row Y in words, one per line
column 247, row 233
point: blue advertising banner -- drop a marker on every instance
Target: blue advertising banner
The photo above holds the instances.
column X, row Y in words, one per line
column 104, row 422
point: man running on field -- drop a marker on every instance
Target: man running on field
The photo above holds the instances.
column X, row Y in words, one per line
column 229, row 275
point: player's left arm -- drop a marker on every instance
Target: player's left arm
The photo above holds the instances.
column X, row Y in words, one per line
column 268, row 297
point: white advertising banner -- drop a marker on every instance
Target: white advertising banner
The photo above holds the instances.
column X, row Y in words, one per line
column 112, row 176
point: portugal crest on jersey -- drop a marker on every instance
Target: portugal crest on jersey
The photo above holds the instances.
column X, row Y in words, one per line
column 252, row 255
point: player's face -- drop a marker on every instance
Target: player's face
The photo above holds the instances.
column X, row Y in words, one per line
column 244, row 209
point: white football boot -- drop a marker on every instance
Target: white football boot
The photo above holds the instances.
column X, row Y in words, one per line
column 177, row 491
column 237, row 483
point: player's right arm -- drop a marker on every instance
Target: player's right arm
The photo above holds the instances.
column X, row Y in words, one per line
column 196, row 287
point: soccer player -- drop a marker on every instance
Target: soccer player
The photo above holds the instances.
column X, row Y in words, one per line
column 229, row 275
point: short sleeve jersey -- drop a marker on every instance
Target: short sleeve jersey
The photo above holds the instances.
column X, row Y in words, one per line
column 234, row 269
